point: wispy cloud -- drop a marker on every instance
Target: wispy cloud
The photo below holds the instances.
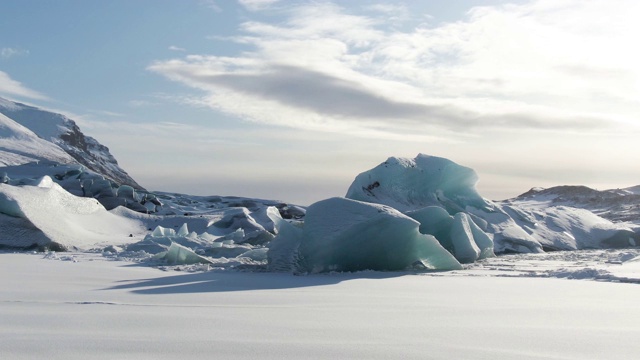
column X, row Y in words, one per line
column 257, row 5
column 211, row 4
column 141, row 103
column 7, row 52
column 10, row 87
column 506, row 67
column 176, row 48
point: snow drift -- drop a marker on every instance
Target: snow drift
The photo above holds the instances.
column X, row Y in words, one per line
column 45, row 215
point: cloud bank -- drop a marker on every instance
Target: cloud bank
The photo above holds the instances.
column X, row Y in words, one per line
column 10, row 87
column 544, row 65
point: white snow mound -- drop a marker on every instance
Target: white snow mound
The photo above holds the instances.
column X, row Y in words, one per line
column 46, row 215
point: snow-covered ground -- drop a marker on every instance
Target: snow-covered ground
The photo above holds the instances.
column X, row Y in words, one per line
column 90, row 306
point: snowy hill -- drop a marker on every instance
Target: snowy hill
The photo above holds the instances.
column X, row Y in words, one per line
column 61, row 132
column 19, row 145
column 617, row 205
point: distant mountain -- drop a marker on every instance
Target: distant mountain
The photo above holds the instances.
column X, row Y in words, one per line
column 618, row 205
column 20, row 146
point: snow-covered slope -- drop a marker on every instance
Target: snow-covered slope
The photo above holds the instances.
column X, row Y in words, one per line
column 617, row 205
column 45, row 215
column 65, row 133
column 19, row 145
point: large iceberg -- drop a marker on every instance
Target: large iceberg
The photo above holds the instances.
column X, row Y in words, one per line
column 411, row 184
column 346, row 235
column 468, row 224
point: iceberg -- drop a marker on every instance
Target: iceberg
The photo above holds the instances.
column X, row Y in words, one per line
column 346, row 235
column 181, row 255
column 283, row 250
column 441, row 195
column 411, row 184
column 458, row 234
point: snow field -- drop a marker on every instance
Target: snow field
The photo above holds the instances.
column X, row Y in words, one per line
column 102, row 309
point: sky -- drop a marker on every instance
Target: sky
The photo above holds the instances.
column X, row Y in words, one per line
column 291, row 100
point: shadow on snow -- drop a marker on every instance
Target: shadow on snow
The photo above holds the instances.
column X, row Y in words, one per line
column 213, row 281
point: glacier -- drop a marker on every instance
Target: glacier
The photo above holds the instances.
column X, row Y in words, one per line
column 423, row 213
column 63, row 134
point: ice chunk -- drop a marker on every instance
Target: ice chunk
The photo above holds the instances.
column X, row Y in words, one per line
column 346, row 235
column 256, row 254
column 161, row 238
column 482, row 239
column 263, row 217
column 435, row 221
column 464, row 246
column 458, row 234
column 183, row 231
column 238, row 218
column 126, row 191
column 283, row 250
column 411, row 184
column 180, row 255
column 160, row 231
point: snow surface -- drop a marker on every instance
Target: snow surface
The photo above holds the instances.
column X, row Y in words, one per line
column 49, row 215
column 19, row 145
column 87, row 306
column 619, row 205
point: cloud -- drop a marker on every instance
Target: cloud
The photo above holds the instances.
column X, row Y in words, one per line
column 7, row 52
column 141, row 103
column 211, row 4
column 176, row 48
column 257, row 5
column 536, row 66
column 11, row 87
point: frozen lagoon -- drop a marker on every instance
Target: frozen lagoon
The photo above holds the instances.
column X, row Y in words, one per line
column 84, row 305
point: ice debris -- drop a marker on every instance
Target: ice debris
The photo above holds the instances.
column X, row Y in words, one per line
column 180, row 255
